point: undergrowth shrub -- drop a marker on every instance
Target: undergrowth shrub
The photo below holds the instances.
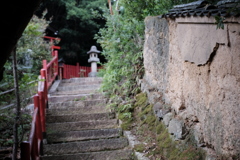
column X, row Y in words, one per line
column 122, row 42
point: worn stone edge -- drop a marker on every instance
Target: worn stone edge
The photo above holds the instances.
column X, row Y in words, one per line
column 54, row 86
column 132, row 140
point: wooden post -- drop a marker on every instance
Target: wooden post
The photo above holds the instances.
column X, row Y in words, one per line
column 56, row 63
column 60, row 73
column 67, row 72
column 45, row 68
column 67, row 69
column 78, row 70
column 25, row 150
column 44, row 64
column 64, row 69
column 42, row 112
column 34, row 153
column 38, row 126
column 44, row 76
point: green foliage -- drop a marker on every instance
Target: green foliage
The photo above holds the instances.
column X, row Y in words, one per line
column 6, row 129
column 122, row 42
column 140, row 9
column 31, row 50
column 77, row 22
column 125, row 115
column 232, row 10
column 219, row 22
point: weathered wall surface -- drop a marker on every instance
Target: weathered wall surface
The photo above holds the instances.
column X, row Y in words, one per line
column 196, row 70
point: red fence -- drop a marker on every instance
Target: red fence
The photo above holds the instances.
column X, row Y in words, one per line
column 71, row 71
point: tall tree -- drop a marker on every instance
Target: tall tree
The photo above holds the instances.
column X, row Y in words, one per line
column 18, row 106
column 76, row 22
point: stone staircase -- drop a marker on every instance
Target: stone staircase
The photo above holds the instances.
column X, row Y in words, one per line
column 80, row 127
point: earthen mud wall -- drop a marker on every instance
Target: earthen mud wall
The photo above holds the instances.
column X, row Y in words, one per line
column 192, row 75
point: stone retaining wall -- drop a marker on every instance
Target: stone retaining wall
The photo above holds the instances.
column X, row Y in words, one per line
column 192, row 75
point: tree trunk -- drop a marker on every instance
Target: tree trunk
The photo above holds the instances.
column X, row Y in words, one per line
column 18, row 106
column 110, row 7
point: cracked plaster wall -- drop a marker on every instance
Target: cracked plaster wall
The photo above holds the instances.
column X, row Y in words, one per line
column 196, row 69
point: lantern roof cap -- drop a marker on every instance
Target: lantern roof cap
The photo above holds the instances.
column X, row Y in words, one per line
column 93, row 50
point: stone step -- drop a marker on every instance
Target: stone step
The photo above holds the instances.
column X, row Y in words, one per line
column 65, row 87
column 80, row 117
column 81, row 125
column 78, row 103
column 83, row 135
column 85, row 146
column 75, row 110
column 87, row 80
column 60, row 99
column 104, row 155
column 81, row 83
column 83, row 91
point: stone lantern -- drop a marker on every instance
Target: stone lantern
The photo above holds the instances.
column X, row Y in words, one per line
column 93, row 59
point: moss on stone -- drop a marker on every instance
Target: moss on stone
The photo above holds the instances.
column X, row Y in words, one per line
column 145, row 110
column 150, row 120
column 141, row 100
column 122, row 117
column 160, row 128
column 191, row 153
column 169, row 148
column 127, row 125
column 125, row 108
column 142, row 115
column 139, row 147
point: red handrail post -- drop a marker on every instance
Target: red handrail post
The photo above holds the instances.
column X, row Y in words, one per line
column 44, row 76
column 42, row 110
column 60, row 73
column 44, row 64
column 56, row 62
column 25, row 151
column 78, row 70
column 35, row 148
column 63, row 70
column 45, row 68
column 38, row 119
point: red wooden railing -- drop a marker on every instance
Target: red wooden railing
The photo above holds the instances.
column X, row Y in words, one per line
column 51, row 69
column 32, row 149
